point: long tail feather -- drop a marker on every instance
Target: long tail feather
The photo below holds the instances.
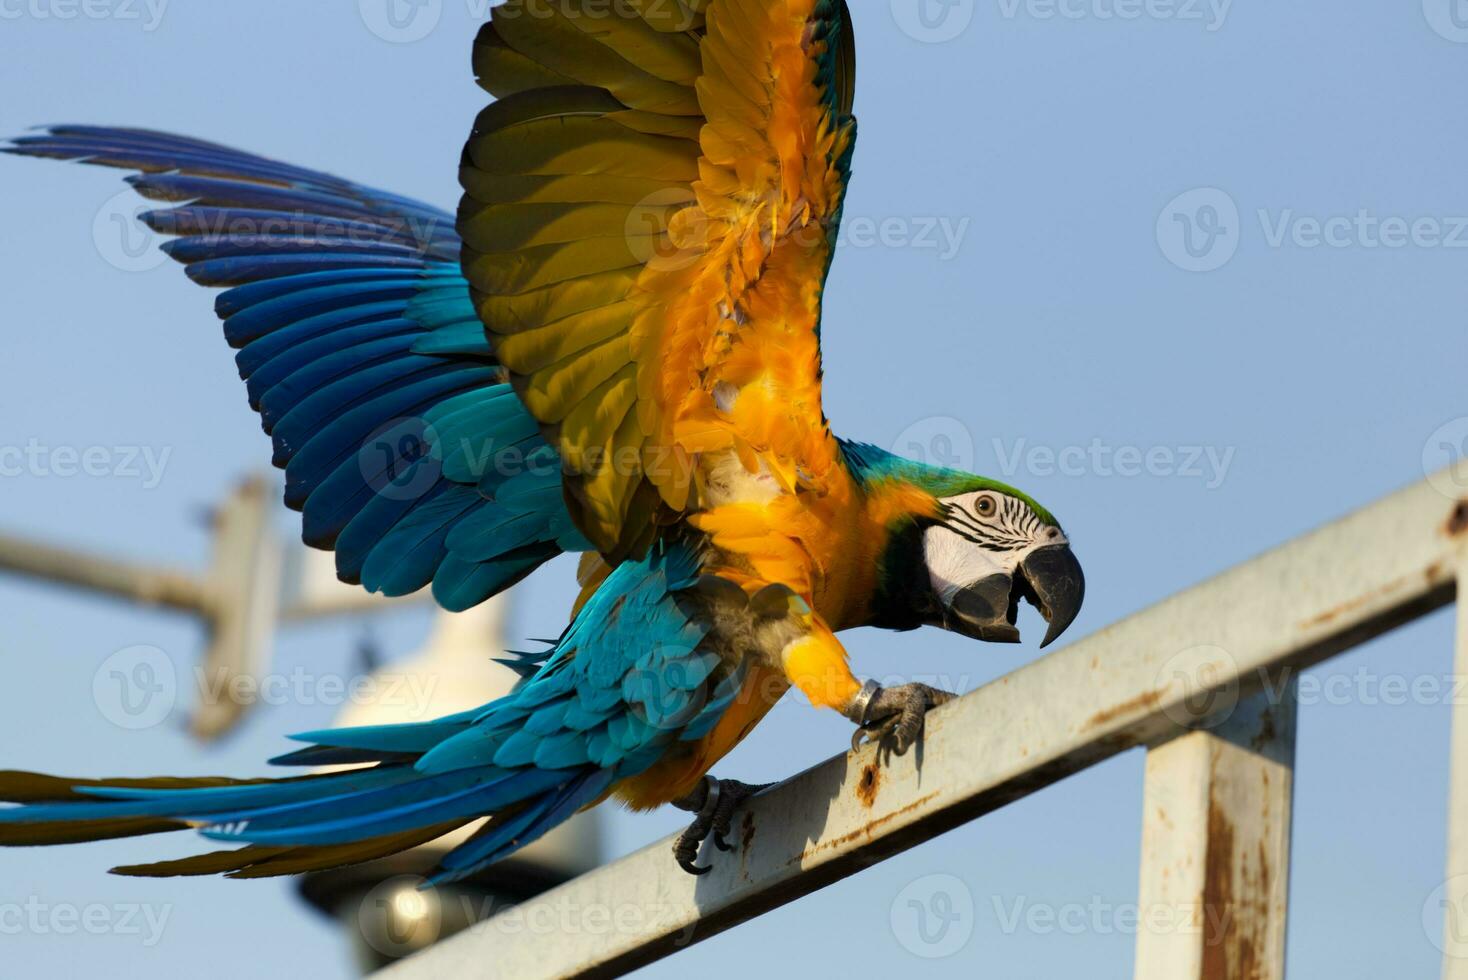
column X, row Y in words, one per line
column 604, row 707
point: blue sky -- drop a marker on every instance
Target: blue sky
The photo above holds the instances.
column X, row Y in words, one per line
column 1192, row 274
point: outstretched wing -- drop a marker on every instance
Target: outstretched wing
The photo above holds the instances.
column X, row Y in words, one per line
column 402, row 444
column 649, row 215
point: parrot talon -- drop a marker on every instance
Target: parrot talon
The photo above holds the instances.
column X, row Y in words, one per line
column 893, row 717
column 697, row 870
column 714, row 803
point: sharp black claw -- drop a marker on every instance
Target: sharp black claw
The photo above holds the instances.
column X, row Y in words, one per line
column 900, row 728
column 715, row 808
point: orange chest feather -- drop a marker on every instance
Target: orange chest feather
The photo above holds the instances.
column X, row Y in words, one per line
column 826, row 547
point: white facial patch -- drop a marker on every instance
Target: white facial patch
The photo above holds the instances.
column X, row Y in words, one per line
column 986, row 533
column 955, row 562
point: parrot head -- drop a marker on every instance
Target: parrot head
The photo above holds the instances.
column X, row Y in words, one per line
column 965, row 552
column 988, row 549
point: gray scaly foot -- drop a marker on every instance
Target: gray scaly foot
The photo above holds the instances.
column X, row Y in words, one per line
column 893, row 716
column 714, row 802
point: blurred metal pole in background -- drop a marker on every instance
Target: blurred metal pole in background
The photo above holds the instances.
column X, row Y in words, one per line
column 254, row 585
column 236, row 598
column 381, row 904
column 241, row 598
column 243, row 585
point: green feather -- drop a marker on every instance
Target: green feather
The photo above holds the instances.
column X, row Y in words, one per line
column 872, row 465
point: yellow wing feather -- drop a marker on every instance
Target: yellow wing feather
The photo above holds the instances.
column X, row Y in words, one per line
column 647, row 227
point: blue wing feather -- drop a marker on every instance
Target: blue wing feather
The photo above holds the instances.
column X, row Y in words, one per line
column 350, row 315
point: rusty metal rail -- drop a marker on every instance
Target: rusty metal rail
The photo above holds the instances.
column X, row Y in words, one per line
column 1204, row 681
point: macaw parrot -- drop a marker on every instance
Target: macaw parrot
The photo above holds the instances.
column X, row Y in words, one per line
column 614, row 351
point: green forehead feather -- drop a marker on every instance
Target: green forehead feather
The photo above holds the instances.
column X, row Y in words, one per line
column 872, row 465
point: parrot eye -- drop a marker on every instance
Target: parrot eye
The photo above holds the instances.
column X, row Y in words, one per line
column 985, row 506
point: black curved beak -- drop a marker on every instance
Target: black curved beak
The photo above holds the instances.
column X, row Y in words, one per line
column 1050, row 579
column 985, row 610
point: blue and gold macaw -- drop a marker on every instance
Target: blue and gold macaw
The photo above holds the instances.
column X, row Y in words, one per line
column 614, row 350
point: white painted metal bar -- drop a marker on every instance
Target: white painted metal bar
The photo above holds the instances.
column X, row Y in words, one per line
column 240, row 530
column 239, row 599
column 1455, row 882
column 149, row 586
column 1216, row 844
column 244, row 579
column 1125, row 686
